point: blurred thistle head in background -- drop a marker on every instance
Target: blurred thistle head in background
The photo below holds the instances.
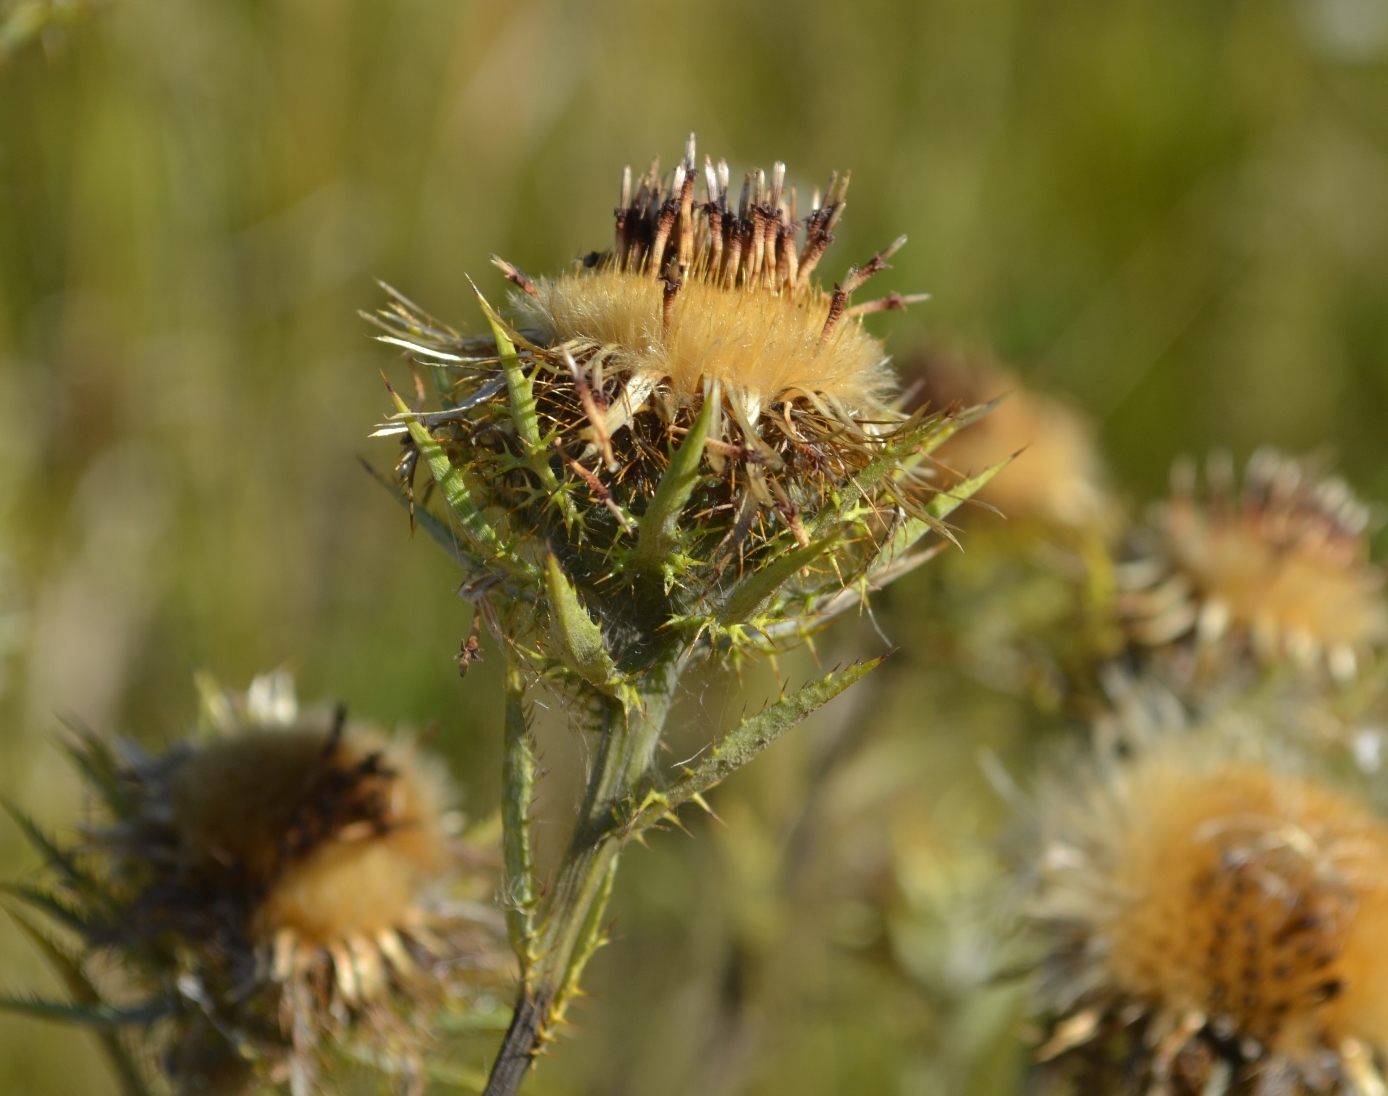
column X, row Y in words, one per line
column 1213, row 922
column 1056, row 476
column 1278, row 566
column 276, row 891
column 702, row 440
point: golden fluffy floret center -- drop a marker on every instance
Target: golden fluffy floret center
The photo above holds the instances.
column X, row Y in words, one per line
column 1290, row 590
column 1254, row 899
column 336, row 837
column 762, row 344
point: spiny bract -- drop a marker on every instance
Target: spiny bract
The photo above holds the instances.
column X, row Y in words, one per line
column 278, row 891
column 685, row 432
column 1220, row 917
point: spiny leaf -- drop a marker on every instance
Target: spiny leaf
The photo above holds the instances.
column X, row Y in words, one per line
column 518, row 385
column 430, row 524
column 590, row 938
column 903, row 443
column 932, row 519
column 946, row 502
column 573, row 631
column 458, row 494
column 949, row 425
column 753, row 736
column 753, row 591
column 51, row 905
column 521, row 392
column 96, row 761
column 85, row 996
column 659, row 534
column 81, row 881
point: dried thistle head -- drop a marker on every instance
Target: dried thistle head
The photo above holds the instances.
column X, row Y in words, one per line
column 684, row 435
column 1028, row 607
column 1213, row 924
column 280, row 890
column 1056, row 476
column 1281, row 567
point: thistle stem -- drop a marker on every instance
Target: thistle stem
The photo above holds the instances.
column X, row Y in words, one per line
column 570, row 926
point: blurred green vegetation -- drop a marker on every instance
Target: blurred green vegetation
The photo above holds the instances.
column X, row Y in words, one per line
column 1173, row 211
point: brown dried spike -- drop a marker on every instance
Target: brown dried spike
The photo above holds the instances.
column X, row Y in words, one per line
column 819, row 229
column 515, row 275
column 673, row 282
column 595, row 485
column 892, row 302
column 734, row 261
column 755, row 252
column 596, row 419
column 665, row 221
column 715, row 241
column 785, row 255
column 686, row 222
column 857, row 276
column 791, row 247
column 836, row 308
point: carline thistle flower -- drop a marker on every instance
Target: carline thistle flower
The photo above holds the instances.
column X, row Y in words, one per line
column 702, row 438
column 1214, row 924
column 681, row 445
column 1280, row 569
column 271, row 895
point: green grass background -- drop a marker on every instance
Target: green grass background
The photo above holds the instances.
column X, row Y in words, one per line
column 1174, row 212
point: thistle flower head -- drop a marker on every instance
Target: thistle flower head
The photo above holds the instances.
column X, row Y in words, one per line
column 1057, row 476
column 1281, row 567
column 720, row 292
column 1219, row 916
column 684, row 435
column 279, row 889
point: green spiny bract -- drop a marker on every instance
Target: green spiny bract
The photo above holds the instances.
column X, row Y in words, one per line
column 683, row 441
